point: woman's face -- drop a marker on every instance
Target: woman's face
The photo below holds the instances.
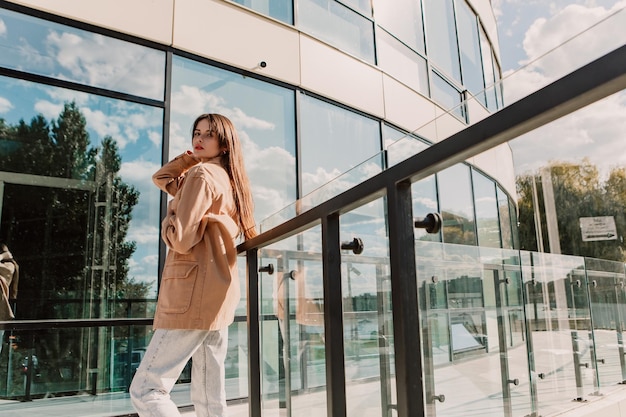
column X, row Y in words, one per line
column 205, row 143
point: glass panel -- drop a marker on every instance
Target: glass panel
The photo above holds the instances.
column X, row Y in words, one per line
column 559, row 330
column 292, row 327
column 457, row 208
column 447, row 96
column 487, row 220
column 278, row 9
column 62, row 52
column 263, row 114
column 475, row 352
column 401, row 62
column 490, row 94
column 469, row 46
column 362, row 6
column 343, row 182
column 506, row 222
column 367, row 315
column 42, row 370
column 403, row 19
column 79, row 210
column 44, row 363
column 514, row 225
column 400, row 146
column 606, row 279
column 333, row 140
column 336, row 24
column 441, row 36
column 424, row 195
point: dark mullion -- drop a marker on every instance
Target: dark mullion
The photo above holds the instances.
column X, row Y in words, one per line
column 407, row 340
column 254, row 340
column 333, row 317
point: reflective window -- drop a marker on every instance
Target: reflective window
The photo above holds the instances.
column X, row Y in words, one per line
column 79, row 210
column 293, row 349
column 490, row 75
column 401, row 62
column 441, row 36
column 486, row 211
column 61, row 52
column 506, row 220
column 447, row 96
column 338, row 25
column 498, row 87
column 263, row 114
column 457, row 208
column 424, row 193
column 362, row 6
column 333, row 140
column 403, row 19
column 278, row 9
column 401, row 146
column 367, row 313
column 469, row 46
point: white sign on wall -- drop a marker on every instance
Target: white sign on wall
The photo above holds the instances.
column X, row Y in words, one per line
column 598, row 228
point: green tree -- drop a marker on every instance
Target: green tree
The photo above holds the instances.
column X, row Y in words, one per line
column 57, row 232
column 578, row 192
column 70, row 157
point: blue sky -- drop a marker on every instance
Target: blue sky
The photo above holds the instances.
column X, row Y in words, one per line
column 527, row 30
column 582, row 31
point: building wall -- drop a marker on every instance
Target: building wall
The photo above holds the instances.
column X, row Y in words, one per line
column 236, row 36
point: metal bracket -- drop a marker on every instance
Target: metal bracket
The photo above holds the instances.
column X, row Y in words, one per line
column 431, row 223
column 269, row 268
column 356, row 246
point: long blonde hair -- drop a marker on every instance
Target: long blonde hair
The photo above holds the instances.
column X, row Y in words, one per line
column 232, row 161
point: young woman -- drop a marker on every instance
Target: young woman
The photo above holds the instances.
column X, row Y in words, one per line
column 9, row 277
column 211, row 208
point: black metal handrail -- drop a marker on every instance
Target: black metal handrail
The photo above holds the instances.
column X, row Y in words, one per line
column 590, row 83
column 586, row 85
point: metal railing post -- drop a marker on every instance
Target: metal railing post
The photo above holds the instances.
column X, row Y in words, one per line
column 333, row 317
column 406, row 329
column 254, row 340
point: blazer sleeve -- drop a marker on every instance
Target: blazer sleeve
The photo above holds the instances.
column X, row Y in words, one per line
column 14, row 281
column 170, row 177
column 186, row 221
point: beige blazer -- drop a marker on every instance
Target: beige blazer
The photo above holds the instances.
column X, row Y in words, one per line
column 9, row 277
column 199, row 287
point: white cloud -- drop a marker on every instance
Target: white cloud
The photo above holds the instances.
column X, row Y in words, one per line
column 143, row 234
column 138, row 172
column 595, row 132
column 156, row 137
column 5, row 105
column 48, row 109
column 559, row 44
column 574, row 35
column 189, row 99
column 63, row 95
column 106, row 62
column 180, row 140
column 426, row 202
column 270, row 169
column 3, row 28
column 124, row 124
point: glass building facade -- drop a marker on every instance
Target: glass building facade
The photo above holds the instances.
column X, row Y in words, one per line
column 90, row 110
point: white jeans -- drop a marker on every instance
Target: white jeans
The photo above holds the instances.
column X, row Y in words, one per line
column 165, row 358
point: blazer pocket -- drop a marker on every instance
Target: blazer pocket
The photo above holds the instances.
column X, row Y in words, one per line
column 179, row 280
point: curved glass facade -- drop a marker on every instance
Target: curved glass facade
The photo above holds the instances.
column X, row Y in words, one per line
column 86, row 117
